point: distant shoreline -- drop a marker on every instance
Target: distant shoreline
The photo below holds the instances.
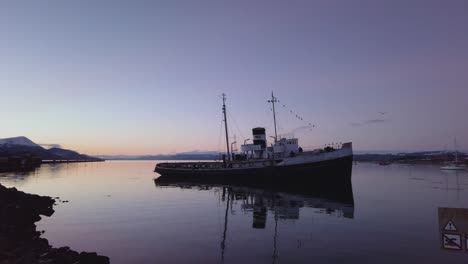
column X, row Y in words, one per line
column 357, row 159
column 69, row 161
column 437, row 157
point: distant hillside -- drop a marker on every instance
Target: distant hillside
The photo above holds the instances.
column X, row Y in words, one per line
column 415, row 157
column 69, row 154
column 435, row 157
column 19, row 146
column 178, row 156
column 21, row 150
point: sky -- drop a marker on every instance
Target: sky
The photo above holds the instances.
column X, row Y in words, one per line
column 145, row 77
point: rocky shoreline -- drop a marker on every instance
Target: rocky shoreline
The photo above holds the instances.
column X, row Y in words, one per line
column 20, row 242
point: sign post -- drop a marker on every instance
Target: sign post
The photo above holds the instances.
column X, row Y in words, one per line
column 453, row 228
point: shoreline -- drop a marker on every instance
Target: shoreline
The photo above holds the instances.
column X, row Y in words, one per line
column 20, row 242
column 68, row 161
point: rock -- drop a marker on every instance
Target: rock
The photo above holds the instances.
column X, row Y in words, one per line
column 93, row 258
column 20, row 242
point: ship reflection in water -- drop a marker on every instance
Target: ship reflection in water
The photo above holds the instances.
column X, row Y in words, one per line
column 261, row 202
column 283, row 205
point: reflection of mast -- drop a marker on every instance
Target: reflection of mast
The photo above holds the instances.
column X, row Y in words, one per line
column 223, row 242
column 275, row 256
column 457, row 183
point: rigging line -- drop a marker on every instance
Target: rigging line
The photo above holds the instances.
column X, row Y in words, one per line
column 275, row 237
column 219, row 136
column 283, row 114
column 278, row 122
column 265, row 117
column 231, row 129
column 296, row 115
column 235, row 123
column 232, row 138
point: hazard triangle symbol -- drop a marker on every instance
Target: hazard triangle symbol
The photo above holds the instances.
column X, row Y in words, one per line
column 450, row 226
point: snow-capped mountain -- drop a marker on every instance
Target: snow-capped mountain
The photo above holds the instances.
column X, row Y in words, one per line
column 23, row 141
column 22, row 146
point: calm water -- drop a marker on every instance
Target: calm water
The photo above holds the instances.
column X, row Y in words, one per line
column 116, row 209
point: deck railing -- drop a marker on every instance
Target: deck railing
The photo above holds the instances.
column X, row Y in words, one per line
column 191, row 165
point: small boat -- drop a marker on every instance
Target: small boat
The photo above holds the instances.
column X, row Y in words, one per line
column 454, row 165
column 384, row 163
column 283, row 162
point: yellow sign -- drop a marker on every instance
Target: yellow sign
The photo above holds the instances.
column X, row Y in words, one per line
column 453, row 228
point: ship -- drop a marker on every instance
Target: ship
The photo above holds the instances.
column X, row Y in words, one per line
column 283, row 162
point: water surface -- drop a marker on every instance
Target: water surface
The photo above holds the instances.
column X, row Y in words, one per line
column 116, row 209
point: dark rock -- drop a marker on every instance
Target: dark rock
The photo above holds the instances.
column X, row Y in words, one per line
column 93, row 258
column 20, row 242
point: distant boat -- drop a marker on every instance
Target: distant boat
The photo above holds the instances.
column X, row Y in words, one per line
column 282, row 162
column 383, row 163
column 454, row 165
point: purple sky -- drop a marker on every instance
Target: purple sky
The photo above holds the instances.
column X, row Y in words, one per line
column 141, row 77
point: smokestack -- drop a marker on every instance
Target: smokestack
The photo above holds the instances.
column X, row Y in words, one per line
column 259, row 136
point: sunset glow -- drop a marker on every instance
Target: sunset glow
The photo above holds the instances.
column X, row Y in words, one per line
column 145, row 78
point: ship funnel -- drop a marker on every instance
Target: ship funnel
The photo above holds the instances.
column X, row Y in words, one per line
column 259, row 136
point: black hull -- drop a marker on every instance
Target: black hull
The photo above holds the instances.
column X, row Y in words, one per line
column 328, row 179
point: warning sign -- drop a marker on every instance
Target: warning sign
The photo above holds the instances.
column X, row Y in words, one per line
column 450, row 226
column 451, row 241
column 453, row 228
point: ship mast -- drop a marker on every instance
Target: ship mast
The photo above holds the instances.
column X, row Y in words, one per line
column 456, row 151
column 226, row 127
column 273, row 101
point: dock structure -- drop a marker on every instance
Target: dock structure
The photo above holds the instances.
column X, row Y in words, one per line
column 18, row 163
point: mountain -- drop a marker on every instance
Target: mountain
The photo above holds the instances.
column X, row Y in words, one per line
column 23, row 141
column 20, row 146
column 198, row 152
column 68, row 154
column 22, row 150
